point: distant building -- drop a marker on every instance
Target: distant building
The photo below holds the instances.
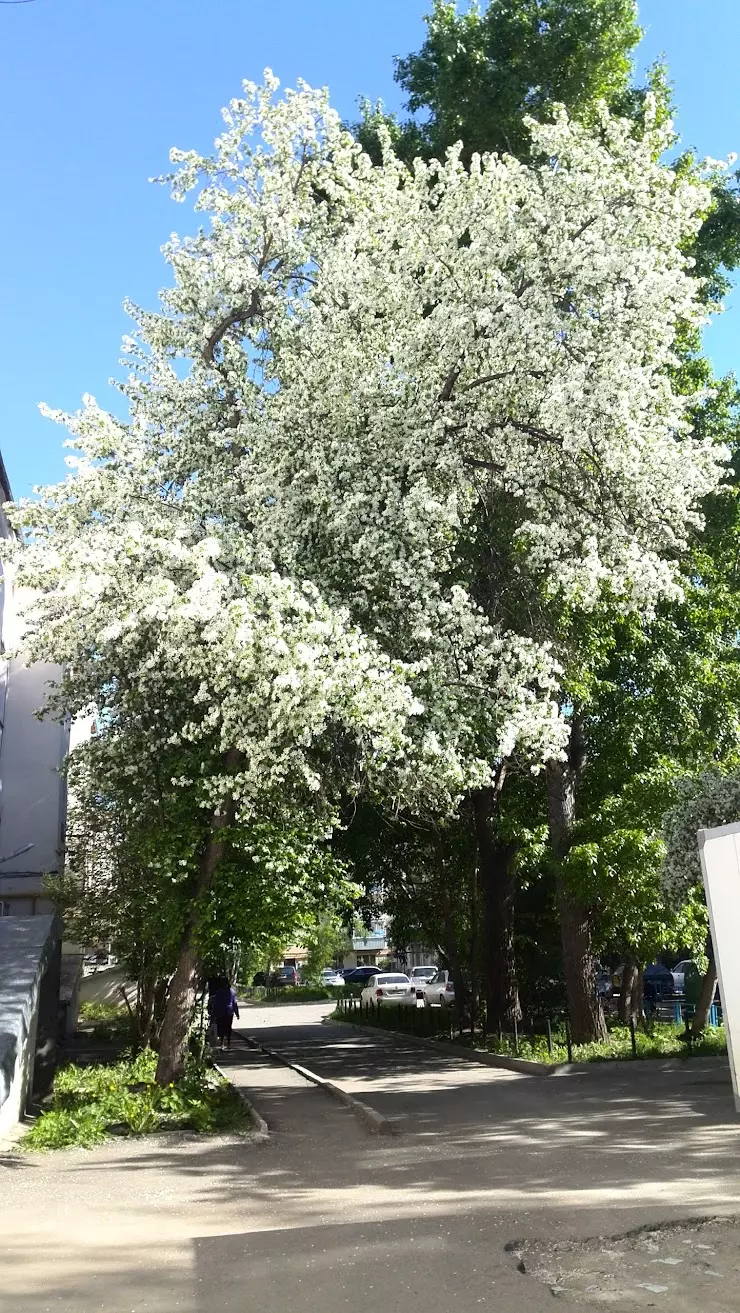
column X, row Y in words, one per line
column 369, row 949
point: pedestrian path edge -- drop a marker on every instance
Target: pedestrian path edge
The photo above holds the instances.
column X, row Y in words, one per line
column 261, row 1129
column 372, row 1120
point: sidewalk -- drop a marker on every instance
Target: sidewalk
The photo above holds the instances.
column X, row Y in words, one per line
column 326, row 1217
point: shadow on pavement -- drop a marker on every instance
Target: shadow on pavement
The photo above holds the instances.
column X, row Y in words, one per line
column 326, row 1217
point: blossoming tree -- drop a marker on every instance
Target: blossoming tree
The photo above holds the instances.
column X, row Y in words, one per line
column 228, row 697
column 448, row 402
column 440, row 396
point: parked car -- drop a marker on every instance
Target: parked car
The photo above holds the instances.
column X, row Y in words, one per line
column 332, row 978
column 284, row 976
column 360, row 975
column 390, row 987
column 679, row 974
column 441, row 989
column 657, row 983
column 420, row 976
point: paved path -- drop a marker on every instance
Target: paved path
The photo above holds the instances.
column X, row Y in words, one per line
column 604, row 1150
column 328, row 1218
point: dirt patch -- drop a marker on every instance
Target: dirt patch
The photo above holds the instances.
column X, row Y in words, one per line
column 686, row 1267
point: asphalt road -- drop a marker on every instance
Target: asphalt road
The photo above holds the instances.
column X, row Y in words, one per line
column 328, row 1218
column 632, row 1143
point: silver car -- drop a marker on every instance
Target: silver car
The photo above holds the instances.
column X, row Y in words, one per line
column 389, row 988
column 440, row 990
column 332, row 978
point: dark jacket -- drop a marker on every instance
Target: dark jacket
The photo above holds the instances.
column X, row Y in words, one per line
column 222, row 1003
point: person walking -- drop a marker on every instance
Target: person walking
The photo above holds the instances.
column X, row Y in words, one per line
column 222, row 1008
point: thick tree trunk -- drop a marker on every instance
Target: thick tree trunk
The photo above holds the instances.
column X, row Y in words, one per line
column 173, row 1040
column 497, row 879
column 181, row 996
column 584, row 1005
column 706, row 996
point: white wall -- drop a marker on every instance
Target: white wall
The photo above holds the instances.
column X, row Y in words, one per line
column 719, row 850
column 32, row 792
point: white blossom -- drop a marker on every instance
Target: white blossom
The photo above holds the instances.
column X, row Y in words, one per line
column 354, row 370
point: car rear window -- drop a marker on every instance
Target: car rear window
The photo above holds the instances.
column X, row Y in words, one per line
column 393, row 980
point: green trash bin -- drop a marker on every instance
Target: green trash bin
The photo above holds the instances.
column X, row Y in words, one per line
column 692, row 983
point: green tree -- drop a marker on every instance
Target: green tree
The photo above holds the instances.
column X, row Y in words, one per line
column 325, row 940
column 478, row 78
column 480, row 73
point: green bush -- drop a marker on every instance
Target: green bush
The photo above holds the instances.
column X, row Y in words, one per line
column 659, row 1040
column 292, row 993
column 110, row 1022
column 90, row 1103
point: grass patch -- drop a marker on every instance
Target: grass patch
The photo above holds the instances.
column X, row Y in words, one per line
column 293, row 994
column 659, row 1040
column 109, row 1022
column 89, row 1104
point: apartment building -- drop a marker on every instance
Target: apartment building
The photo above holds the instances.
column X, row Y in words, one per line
column 32, row 792
column 32, row 824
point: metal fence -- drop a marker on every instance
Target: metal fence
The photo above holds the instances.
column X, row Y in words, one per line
column 534, row 1036
column 444, row 1023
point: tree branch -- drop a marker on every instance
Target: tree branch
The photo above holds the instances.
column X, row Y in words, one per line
column 240, row 315
column 449, row 383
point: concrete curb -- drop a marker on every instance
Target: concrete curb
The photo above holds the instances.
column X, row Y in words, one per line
column 261, row 1129
column 283, row 1002
column 528, row 1067
column 373, row 1121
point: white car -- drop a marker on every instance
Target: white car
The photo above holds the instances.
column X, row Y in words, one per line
column 389, row 988
column 420, row 976
column 440, row 990
column 332, row 978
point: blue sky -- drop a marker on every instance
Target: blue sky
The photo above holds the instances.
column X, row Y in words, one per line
column 94, row 92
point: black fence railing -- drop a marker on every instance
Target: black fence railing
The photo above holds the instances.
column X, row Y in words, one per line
column 433, row 1023
column 542, row 1033
column 542, row 1036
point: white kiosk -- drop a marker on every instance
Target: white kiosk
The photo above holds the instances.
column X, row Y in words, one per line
column 720, row 863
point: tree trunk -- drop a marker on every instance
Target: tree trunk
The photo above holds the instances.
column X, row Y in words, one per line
column 584, row 1005
column 145, row 1007
column 462, row 1000
column 638, row 997
column 474, row 955
column 181, row 996
column 630, row 994
column 497, row 879
column 706, row 997
column 173, row 1040
column 158, row 1011
column 629, row 976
